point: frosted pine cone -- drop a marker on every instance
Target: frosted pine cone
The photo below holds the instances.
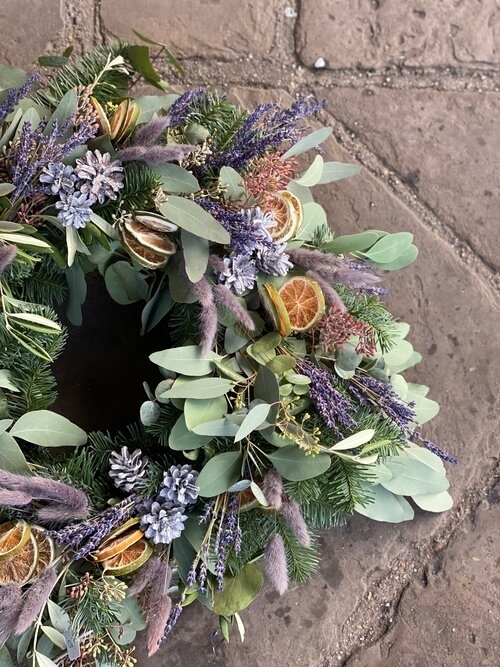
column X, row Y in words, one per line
column 179, row 485
column 163, row 523
column 127, row 470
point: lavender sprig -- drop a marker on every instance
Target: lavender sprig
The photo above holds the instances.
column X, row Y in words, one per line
column 15, row 95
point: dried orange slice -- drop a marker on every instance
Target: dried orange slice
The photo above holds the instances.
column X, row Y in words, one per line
column 46, row 550
column 19, row 568
column 129, row 560
column 275, row 309
column 13, row 537
column 119, row 531
column 288, row 216
column 118, row 544
column 304, row 301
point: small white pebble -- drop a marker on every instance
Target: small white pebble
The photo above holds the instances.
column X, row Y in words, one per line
column 290, row 13
column 319, row 63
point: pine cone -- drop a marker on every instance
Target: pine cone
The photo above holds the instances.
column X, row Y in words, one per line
column 127, row 470
column 163, row 523
column 179, row 485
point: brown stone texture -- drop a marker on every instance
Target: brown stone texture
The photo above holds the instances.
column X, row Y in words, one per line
column 28, row 29
column 206, row 28
column 378, row 33
column 444, row 145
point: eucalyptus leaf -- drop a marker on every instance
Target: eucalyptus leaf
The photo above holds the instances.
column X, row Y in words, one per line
column 412, row 477
column 425, row 408
column 11, row 456
column 314, row 219
column 188, row 215
column 351, row 242
column 233, row 341
column 221, row 472
column 195, row 255
column 176, row 179
column 6, row 382
column 138, row 55
column 5, row 424
column 313, row 173
column 77, row 287
column 201, row 388
column 11, row 77
column 218, row 427
column 104, row 226
column 239, row 591
column 425, row 456
column 434, row 502
column 5, row 658
column 295, row 465
column 64, row 111
column 48, row 429
column 122, row 634
column 152, row 104
column 259, row 494
column 149, row 412
column 53, row 61
column 75, row 245
column 389, row 248
column 354, row 441
column 58, row 616
column 56, row 637
column 182, row 439
column 310, row 141
column 125, row 284
column 43, row 660
column 231, row 183
column 336, row 171
column 255, row 418
column 6, row 189
column 188, row 360
column 198, row 411
column 405, row 259
column 385, row 506
column 156, row 308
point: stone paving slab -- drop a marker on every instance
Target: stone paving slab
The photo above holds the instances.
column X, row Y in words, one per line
column 378, row 33
column 205, row 28
column 446, row 146
column 28, row 28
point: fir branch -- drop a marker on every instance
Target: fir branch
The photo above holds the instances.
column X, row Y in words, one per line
column 370, row 310
column 112, row 85
column 46, row 284
column 183, row 323
column 160, row 430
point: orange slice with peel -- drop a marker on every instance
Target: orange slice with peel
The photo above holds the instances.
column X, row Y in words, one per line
column 130, row 559
column 119, row 544
column 275, row 309
column 133, row 521
column 304, row 301
column 46, row 550
column 19, row 568
column 13, row 537
column 288, row 215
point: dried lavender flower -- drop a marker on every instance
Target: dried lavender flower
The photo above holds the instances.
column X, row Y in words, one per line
column 275, row 563
column 292, row 514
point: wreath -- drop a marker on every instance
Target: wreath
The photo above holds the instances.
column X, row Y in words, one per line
column 280, row 406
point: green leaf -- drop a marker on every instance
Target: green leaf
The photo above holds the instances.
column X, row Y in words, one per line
column 389, row 248
column 231, row 182
column 187, row 215
column 218, row 427
column 187, row 360
column 151, row 104
column 239, row 591
column 425, row 456
column 5, row 189
column 256, row 416
column 259, row 495
column 221, row 472
column 10, row 77
column 149, row 412
column 210, row 387
column 64, row 111
column 434, row 502
column 5, row 424
column 156, row 308
column 181, row 439
column 23, row 644
column 125, row 284
column 36, row 322
column 195, row 255
column 104, row 226
column 56, row 637
column 336, row 171
column 176, row 179
column 310, row 141
column 351, row 242
column 354, row 441
column 26, row 240
column 5, row 381
column 43, row 661
column 170, row 56
column 385, row 506
column 11, row 456
column 224, row 627
column 139, row 59
column 48, row 429
column 280, row 364
column 232, row 341
column 405, row 259
column 75, row 244
column 314, row 218
column 77, row 287
column 312, row 175
column 412, row 477
column 5, row 658
column 425, row 408
column 122, row 634
column 198, row 411
column 293, row 463
column 58, row 617
column 52, row 61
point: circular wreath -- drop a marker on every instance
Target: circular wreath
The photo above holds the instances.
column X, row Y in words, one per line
column 280, row 406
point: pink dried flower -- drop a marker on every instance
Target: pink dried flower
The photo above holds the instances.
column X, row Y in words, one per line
column 275, row 563
column 292, row 514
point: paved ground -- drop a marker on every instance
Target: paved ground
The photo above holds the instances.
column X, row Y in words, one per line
column 413, row 96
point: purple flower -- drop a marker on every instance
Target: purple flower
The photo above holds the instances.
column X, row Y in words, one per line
column 74, row 209
column 180, row 109
column 15, row 95
column 101, row 178
column 239, row 272
column 335, row 409
column 444, row 455
column 380, row 393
